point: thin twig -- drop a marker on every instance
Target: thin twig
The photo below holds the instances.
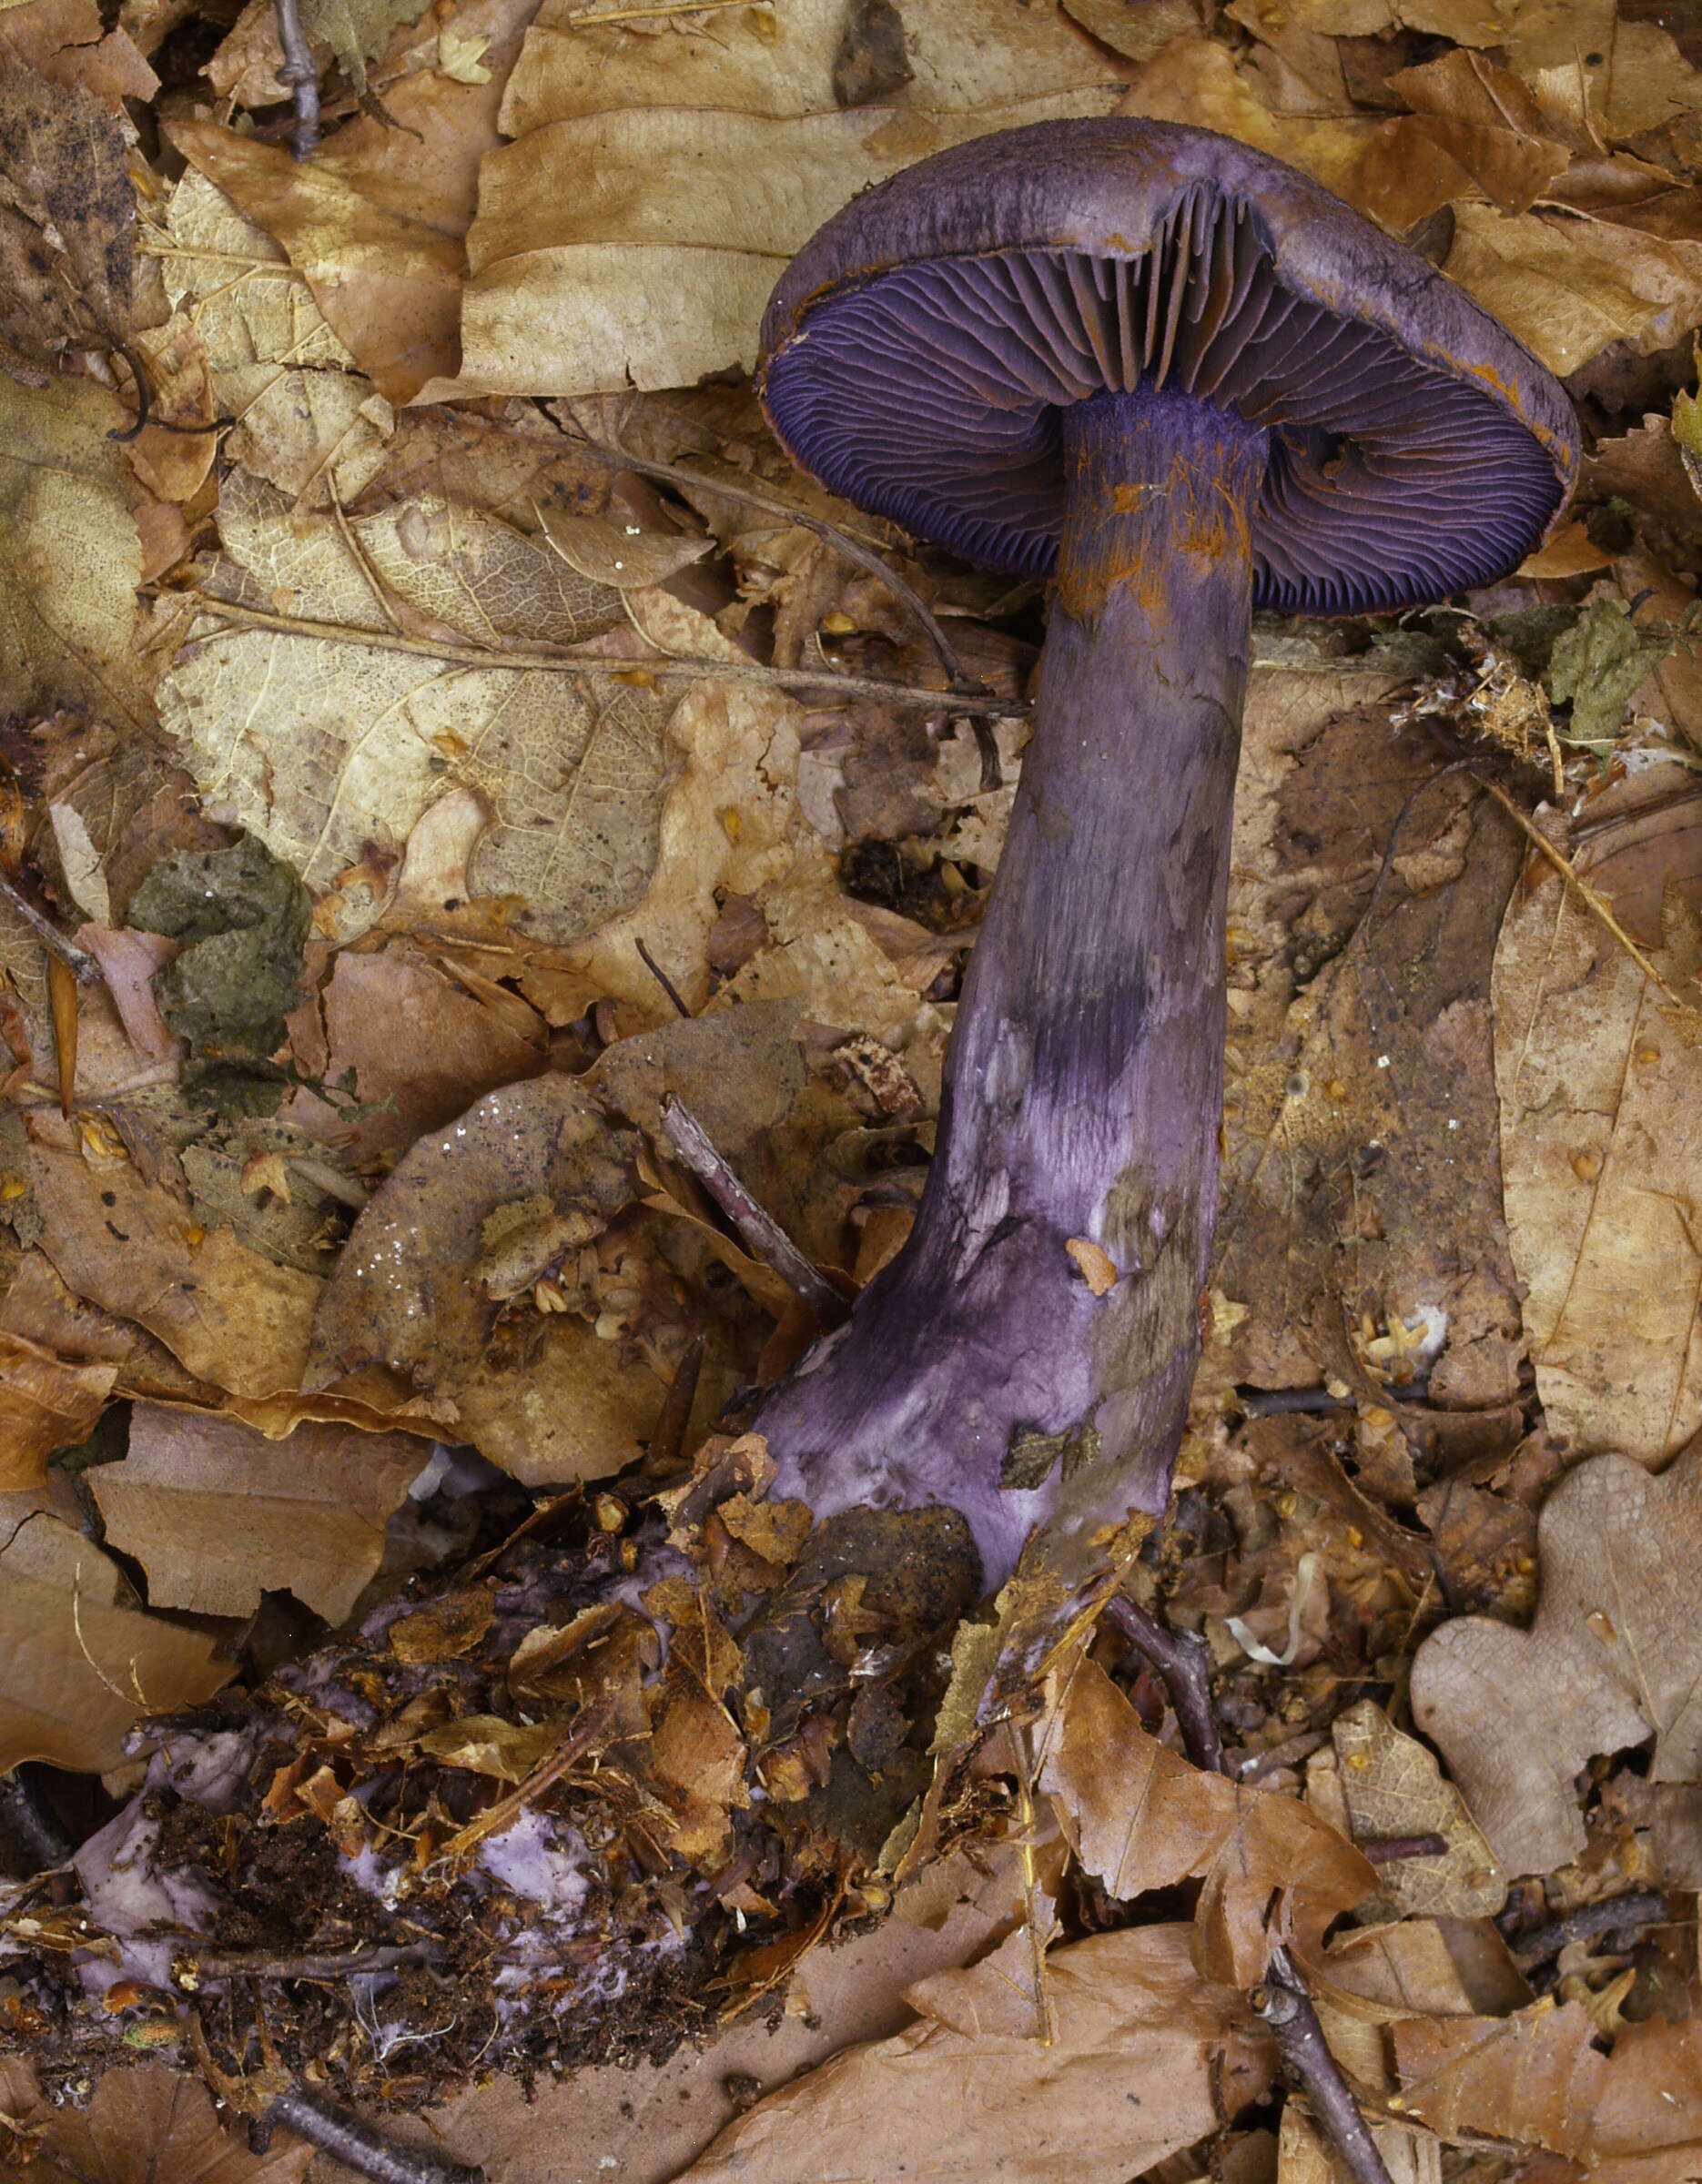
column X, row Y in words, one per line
column 258, row 1964
column 665, row 670
column 763, row 1235
column 1597, row 905
column 659, row 975
column 1185, row 1663
column 1286, row 2007
column 865, row 557
column 1618, row 1912
column 81, row 965
column 1383, row 1850
column 303, row 79
column 33, row 1821
column 357, row 2145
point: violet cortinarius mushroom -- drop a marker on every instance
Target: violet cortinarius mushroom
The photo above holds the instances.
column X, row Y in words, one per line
column 1182, row 382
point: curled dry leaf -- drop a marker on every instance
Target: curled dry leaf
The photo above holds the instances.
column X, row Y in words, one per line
column 970, row 2086
column 1614, row 1657
column 1395, row 1788
column 46, row 1403
column 1601, row 1148
column 1538, row 2078
column 1140, row 1817
column 216, row 1514
column 610, row 553
column 229, row 1314
column 79, row 1660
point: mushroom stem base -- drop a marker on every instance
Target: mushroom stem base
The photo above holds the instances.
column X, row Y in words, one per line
column 1027, row 1356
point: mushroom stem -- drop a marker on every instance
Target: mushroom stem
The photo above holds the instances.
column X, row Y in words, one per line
column 1028, row 1353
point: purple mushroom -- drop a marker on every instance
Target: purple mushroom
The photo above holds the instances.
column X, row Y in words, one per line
column 1180, row 381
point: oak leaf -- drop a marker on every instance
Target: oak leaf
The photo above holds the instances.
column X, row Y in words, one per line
column 1614, row 1657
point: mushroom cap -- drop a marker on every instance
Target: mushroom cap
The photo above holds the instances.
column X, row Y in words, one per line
column 918, row 351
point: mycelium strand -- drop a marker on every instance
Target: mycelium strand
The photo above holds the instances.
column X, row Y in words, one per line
column 990, row 1366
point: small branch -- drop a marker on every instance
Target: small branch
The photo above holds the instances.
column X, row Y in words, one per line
column 357, row 2145
column 582, row 18
column 1286, row 2007
column 81, row 965
column 1185, row 1663
column 762, row 1234
column 667, row 1439
column 679, row 670
column 303, row 79
column 33, row 1821
column 144, row 405
column 1383, row 1850
column 852, row 550
column 257, row 1963
column 659, row 975
column 1619, row 1911
column 1274, row 1402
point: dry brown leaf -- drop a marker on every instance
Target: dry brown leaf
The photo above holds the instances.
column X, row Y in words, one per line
column 70, row 559
column 695, row 1752
column 62, row 40
column 1568, row 287
column 1393, row 1787
column 152, row 2125
column 1601, row 1148
column 1135, row 28
column 1304, row 2156
column 67, row 213
column 1614, row 1656
column 1398, row 170
column 660, row 276
column 46, row 1403
column 963, row 2093
column 352, row 743
column 238, row 288
column 423, row 1050
column 962, row 54
column 376, row 222
column 1139, row 1817
column 1537, row 2079
column 231, row 1317
column 216, row 1514
column 79, row 1660
column 617, row 555
column 318, row 436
